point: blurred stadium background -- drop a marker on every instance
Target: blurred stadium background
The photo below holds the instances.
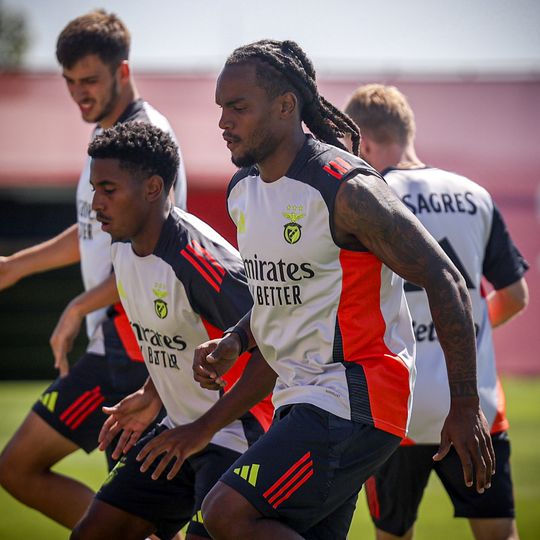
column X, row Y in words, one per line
column 471, row 71
column 487, row 130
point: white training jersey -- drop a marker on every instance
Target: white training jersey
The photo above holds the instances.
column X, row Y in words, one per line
column 94, row 244
column 461, row 216
column 331, row 320
column 190, row 289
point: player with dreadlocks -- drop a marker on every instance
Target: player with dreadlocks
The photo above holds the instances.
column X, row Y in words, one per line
column 324, row 120
column 294, row 72
column 322, row 238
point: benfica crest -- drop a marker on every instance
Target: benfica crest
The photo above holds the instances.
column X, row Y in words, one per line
column 292, row 231
column 160, row 306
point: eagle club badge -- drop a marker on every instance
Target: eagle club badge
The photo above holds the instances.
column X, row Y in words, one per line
column 160, row 306
column 292, row 231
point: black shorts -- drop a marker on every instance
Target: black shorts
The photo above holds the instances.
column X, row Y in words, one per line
column 72, row 404
column 168, row 504
column 307, row 470
column 395, row 491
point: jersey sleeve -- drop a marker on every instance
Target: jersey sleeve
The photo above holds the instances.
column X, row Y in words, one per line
column 207, row 267
column 215, row 284
column 503, row 263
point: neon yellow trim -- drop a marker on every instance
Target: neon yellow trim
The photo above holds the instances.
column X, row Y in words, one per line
column 52, row 401
column 253, row 474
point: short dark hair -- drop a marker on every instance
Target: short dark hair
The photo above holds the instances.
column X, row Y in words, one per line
column 282, row 66
column 141, row 148
column 97, row 32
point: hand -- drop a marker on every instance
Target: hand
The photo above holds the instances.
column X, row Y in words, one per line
column 66, row 331
column 132, row 416
column 8, row 273
column 178, row 443
column 213, row 359
column 466, row 428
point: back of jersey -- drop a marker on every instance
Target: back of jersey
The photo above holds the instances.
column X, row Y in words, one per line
column 459, row 215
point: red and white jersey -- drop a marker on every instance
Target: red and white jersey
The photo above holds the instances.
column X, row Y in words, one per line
column 94, row 244
column 190, row 289
column 331, row 320
column 461, row 216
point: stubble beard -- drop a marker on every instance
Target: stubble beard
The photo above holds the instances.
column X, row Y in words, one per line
column 256, row 155
column 110, row 104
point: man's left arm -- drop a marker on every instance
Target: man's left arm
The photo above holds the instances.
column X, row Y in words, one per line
column 68, row 327
column 367, row 209
column 504, row 304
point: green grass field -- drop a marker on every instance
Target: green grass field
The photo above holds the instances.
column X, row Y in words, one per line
column 435, row 521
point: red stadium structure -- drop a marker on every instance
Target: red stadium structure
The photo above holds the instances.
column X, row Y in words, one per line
column 487, row 130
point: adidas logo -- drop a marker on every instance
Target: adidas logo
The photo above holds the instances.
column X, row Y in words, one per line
column 49, row 400
column 248, row 473
column 197, row 517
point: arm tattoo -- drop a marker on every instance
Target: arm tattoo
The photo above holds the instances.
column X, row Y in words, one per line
column 463, row 389
column 369, row 211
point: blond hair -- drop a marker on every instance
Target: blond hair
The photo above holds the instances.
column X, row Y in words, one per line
column 382, row 113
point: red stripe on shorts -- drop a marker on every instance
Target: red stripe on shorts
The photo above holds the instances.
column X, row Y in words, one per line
column 372, row 498
column 77, row 402
column 79, row 410
column 291, row 480
column 91, row 408
column 300, row 478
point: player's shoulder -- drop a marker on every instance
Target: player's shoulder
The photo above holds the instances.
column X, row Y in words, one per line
column 197, row 253
column 242, row 174
column 435, row 178
column 470, row 185
column 141, row 111
column 120, row 250
column 319, row 161
column 186, row 234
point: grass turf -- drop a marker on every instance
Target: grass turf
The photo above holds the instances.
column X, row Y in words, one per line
column 435, row 521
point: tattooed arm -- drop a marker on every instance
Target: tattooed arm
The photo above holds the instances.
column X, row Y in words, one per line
column 367, row 210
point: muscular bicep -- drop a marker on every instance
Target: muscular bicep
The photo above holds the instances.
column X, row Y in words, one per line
column 368, row 210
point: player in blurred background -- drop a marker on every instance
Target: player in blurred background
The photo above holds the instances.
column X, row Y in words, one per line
column 93, row 51
column 462, row 217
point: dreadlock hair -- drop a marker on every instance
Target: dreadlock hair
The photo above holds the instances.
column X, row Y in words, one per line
column 97, row 32
column 282, row 66
column 141, row 148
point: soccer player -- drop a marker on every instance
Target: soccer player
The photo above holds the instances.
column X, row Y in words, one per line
column 462, row 217
column 180, row 283
column 93, row 51
column 321, row 236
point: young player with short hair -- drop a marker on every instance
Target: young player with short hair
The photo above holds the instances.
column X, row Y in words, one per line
column 180, row 283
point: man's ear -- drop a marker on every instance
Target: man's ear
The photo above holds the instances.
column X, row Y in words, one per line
column 154, row 188
column 289, row 104
column 365, row 147
column 124, row 71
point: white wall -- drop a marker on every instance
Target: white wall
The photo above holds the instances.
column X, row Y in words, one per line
column 465, row 36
